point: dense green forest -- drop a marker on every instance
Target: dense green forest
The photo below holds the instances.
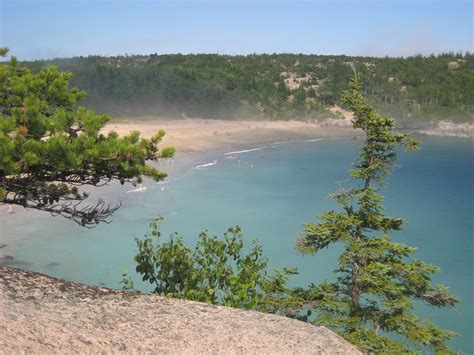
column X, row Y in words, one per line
column 277, row 86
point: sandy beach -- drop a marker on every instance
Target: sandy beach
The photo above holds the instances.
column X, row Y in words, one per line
column 205, row 135
column 201, row 135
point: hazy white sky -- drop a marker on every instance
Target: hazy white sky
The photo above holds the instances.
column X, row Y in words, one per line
column 45, row 29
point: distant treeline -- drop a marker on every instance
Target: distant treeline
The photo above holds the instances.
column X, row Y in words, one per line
column 277, row 86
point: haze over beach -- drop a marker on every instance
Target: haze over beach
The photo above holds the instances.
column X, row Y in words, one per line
column 266, row 176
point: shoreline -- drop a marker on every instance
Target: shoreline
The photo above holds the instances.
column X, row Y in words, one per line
column 202, row 135
column 198, row 142
column 199, row 135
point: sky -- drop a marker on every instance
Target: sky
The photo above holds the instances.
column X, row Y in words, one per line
column 35, row 29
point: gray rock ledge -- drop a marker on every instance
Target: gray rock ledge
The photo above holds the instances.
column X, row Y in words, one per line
column 41, row 314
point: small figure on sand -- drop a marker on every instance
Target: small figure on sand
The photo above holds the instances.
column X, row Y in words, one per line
column 10, row 209
column 140, row 189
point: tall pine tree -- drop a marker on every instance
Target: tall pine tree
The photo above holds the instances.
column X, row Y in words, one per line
column 377, row 281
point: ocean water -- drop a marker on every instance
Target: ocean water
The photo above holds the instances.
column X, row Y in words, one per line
column 271, row 192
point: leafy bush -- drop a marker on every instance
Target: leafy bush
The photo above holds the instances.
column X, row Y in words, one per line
column 216, row 271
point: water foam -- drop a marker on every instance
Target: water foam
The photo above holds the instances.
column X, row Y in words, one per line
column 199, row 167
column 245, row 151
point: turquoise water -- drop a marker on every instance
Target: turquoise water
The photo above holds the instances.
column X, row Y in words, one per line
column 271, row 193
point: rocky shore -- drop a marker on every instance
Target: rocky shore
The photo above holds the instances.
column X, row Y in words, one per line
column 449, row 129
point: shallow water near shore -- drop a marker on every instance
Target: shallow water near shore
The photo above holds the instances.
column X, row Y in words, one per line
column 270, row 192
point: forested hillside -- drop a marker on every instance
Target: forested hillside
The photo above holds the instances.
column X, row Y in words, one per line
column 278, row 86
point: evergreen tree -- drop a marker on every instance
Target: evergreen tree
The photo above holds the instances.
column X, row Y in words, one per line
column 377, row 283
column 49, row 146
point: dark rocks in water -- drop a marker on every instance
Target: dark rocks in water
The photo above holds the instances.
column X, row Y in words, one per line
column 6, row 260
column 53, row 264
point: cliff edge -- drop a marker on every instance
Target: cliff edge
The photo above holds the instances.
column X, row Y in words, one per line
column 40, row 314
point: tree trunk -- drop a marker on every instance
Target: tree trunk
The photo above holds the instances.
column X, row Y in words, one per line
column 355, row 291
